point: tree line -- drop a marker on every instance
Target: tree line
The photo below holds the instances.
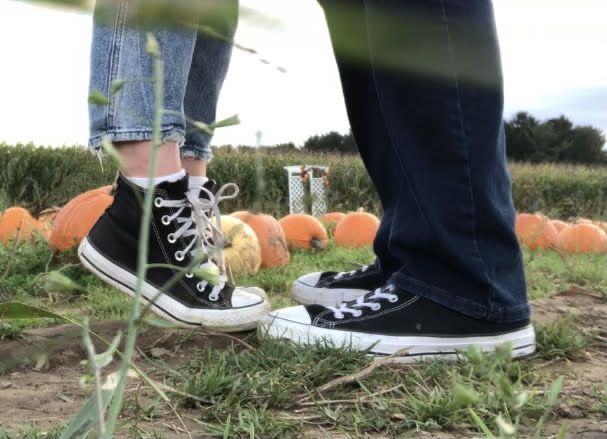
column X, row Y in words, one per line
column 528, row 139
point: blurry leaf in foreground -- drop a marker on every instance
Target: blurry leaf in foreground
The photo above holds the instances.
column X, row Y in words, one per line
column 88, row 416
column 105, row 358
column 117, row 85
column 98, row 98
column 159, row 323
column 58, row 282
column 18, row 310
column 208, row 272
column 151, row 45
column 110, row 150
column 230, row 121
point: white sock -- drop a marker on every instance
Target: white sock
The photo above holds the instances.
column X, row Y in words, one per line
column 144, row 182
column 194, row 181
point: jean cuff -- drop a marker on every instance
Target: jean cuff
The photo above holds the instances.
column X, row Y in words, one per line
column 460, row 304
column 169, row 133
column 196, row 152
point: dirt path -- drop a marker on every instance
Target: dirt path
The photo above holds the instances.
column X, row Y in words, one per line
column 50, row 393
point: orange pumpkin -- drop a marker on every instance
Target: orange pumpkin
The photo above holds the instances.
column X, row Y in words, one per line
column 271, row 237
column 17, row 223
column 357, row 229
column 584, row 221
column 559, row 225
column 582, row 238
column 304, row 231
column 333, row 217
column 601, row 225
column 47, row 217
column 535, row 231
column 78, row 216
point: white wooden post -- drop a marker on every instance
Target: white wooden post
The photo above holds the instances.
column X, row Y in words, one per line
column 297, row 190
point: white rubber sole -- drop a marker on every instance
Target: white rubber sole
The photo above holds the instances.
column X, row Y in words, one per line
column 417, row 348
column 228, row 320
column 308, row 295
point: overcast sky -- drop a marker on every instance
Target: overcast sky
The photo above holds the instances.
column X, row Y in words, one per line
column 554, row 58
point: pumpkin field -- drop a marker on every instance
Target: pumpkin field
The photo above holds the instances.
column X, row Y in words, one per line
column 202, row 384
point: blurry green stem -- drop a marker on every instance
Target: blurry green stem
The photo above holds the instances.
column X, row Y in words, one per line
column 90, row 349
column 131, row 335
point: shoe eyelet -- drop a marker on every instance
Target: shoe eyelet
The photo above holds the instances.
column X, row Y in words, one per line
column 393, row 299
column 189, row 275
column 376, row 307
column 358, row 314
column 179, row 256
column 158, row 202
column 200, row 287
column 213, row 298
column 165, row 220
column 171, row 238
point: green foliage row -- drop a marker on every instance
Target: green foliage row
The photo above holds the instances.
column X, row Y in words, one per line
column 553, row 140
column 37, row 177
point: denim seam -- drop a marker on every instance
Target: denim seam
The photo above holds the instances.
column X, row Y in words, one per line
column 169, row 133
column 390, row 135
column 117, row 37
column 142, row 83
column 464, row 143
column 197, row 152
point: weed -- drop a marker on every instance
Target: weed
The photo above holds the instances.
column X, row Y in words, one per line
column 8, row 332
column 33, row 432
column 561, row 339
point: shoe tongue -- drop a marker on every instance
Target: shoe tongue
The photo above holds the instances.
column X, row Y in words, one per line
column 209, row 186
column 175, row 189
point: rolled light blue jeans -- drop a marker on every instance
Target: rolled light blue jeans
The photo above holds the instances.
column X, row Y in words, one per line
column 195, row 66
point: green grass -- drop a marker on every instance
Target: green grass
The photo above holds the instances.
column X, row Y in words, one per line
column 9, row 332
column 33, row 432
column 561, row 339
column 24, row 265
column 548, row 272
column 54, row 175
column 270, row 391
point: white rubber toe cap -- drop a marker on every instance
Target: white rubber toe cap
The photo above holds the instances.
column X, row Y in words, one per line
column 309, row 280
column 242, row 298
column 295, row 314
column 255, row 290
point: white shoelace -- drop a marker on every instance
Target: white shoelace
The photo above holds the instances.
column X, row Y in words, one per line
column 209, row 232
column 205, row 212
column 350, row 273
column 367, row 301
column 185, row 222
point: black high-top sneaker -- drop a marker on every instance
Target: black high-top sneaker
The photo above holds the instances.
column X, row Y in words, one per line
column 110, row 251
column 388, row 320
column 331, row 288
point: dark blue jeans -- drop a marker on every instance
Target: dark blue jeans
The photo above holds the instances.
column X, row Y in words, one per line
column 423, row 87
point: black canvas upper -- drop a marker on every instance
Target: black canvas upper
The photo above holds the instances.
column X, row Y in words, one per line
column 116, row 234
column 368, row 279
column 410, row 315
